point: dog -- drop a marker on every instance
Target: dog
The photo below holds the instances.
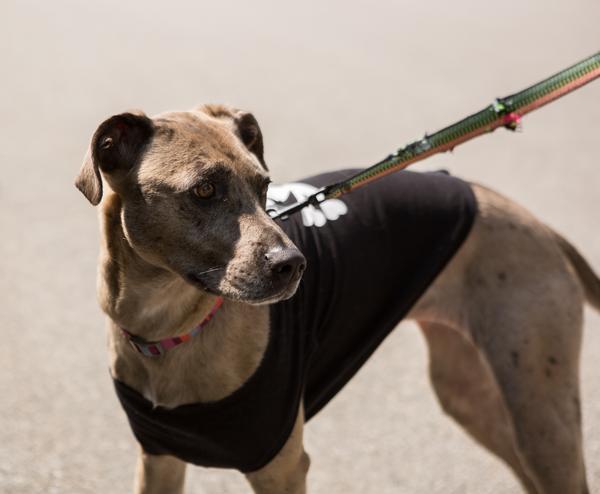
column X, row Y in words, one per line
column 187, row 242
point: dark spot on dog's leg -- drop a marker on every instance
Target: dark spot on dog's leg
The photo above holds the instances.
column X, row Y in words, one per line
column 552, row 360
column 514, row 356
column 502, row 276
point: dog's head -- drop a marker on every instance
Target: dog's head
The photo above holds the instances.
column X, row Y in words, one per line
column 192, row 186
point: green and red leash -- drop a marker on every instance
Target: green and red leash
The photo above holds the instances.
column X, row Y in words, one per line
column 503, row 112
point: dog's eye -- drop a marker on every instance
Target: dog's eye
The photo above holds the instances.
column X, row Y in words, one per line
column 205, row 190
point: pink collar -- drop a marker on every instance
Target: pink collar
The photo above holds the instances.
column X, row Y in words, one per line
column 156, row 348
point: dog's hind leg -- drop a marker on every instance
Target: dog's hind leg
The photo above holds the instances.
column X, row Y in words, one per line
column 513, row 291
column 467, row 392
column 536, row 367
column 159, row 474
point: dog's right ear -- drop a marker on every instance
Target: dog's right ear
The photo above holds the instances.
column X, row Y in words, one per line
column 115, row 148
column 245, row 126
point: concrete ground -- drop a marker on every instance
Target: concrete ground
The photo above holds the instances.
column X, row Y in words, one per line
column 333, row 84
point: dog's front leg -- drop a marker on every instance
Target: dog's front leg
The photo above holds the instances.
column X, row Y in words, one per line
column 159, row 474
column 286, row 473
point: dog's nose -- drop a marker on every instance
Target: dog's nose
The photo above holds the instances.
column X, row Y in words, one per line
column 286, row 265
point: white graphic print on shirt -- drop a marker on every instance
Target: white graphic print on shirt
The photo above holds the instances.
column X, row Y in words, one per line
column 278, row 196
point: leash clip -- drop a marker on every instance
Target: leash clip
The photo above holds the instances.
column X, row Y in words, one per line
column 313, row 200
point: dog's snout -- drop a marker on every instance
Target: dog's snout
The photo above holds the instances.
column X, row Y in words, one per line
column 286, row 265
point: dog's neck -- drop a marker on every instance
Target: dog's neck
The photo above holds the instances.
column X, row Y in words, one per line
column 147, row 300
column 153, row 303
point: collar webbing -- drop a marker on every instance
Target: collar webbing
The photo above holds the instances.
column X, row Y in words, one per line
column 156, row 348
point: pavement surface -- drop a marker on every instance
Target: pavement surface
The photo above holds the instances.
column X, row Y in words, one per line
column 333, row 84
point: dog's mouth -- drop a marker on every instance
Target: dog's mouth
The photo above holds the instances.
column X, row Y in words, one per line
column 250, row 293
column 281, row 295
column 197, row 281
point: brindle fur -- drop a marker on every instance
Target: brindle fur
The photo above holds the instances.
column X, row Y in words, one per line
column 503, row 321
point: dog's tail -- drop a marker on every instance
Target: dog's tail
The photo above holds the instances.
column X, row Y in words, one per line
column 588, row 277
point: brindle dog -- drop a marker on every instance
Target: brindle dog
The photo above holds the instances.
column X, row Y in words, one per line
column 183, row 220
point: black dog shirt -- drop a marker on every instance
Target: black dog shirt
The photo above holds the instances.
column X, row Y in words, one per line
column 370, row 255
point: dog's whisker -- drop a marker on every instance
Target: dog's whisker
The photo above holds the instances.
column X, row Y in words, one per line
column 210, row 270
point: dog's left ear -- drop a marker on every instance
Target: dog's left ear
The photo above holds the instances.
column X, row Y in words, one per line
column 115, row 148
column 245, row 126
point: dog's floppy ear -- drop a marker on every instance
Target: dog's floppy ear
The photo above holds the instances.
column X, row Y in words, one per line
column 245, row 126
column 115, row 148
column 250, row 134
